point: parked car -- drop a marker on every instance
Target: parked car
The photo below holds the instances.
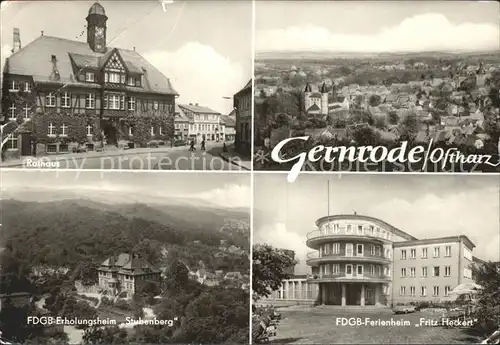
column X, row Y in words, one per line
column 180, row 143
column 404, row 309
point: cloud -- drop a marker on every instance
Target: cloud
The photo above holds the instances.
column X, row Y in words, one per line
column 279, row 236
column 232, row 195
column 434, row 216
column 426, row 32
column 200, row 74
column 6, row 51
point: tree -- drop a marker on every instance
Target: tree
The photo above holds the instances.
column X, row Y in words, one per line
column 364, row 135
column 409, row 126
column 86, row 273
column 269, row 269
column 177, row 277
column 374, row 100
column 105, row 335
column 487, row 310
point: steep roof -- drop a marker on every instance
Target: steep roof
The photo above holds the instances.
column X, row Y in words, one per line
column 136, row 265
column 198, row 109
column 180, row 115
column 228, row 121
column 35, row 59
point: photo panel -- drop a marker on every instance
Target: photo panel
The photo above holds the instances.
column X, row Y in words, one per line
column 375, row 258
column 143, row 85
column 125, row 257
column 414, row 91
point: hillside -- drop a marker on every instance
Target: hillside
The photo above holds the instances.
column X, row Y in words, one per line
column 64, row 233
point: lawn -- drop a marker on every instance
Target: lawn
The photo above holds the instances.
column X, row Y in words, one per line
column 303, row 325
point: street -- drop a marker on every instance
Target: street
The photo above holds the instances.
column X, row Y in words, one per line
column 176, row 159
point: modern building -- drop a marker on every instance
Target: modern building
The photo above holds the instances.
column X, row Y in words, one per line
column 243, row 105
column 205, row 123
column 65, row 93
column 361, row 260
column 122, row 274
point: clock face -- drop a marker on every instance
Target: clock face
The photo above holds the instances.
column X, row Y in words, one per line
column 99, row 32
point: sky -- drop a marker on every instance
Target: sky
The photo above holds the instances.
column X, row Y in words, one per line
column 377, row 26
column 204, row 47
column 424, row 206
column 226, row 190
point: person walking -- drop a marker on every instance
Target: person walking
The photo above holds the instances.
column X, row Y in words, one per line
column 202, row 145
column 192, row 148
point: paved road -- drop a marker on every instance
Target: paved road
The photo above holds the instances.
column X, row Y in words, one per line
column 179, row 159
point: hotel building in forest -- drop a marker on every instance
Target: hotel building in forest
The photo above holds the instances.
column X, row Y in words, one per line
column 363, row 261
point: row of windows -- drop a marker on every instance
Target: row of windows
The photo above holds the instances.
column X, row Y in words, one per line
column 114, row 78
column 15, row 86
column 369, row 230
column 334, row 248
column 423, row 291
column 111, row 101
column 436, row 271
column 205, row 117
column 372, row 269
column 436, row 253
column 13, row 112
column 64, row 130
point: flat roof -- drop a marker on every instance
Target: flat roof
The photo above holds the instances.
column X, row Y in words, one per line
column 460, row 238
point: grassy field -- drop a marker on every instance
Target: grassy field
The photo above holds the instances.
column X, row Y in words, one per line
column 303, row 325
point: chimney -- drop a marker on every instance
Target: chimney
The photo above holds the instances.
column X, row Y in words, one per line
column 16, row 46
column 196, row 104
column 134, row 48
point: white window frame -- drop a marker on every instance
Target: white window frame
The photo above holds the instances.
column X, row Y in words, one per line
column 50, row 100
column 14, row 86
column 335, row 269
column 435, row 291
column 335, row 248
column 362, row 270
column 66, row 96
column 413, row 253
column 130, row 132
column 89, row 130
column 413, row 272
column 403, row 272
column 412, row 291
column 372, row 249
column 131, row 81
column 424, row 272
column 114, row 77
column 10, row 142
column 402, row 291
column 447, row 271
column 155, row 105
column 348, row 229
column 161, row 130
column 26, row 109
column 51, row 130
column 90, row 101
column 436, row 252
column 362, row 246
column 131, row 103
column 372, row 269
column 27, row 86
column 423, row 291
column 152, row 130
column 447, row 290
column 403, row 254
column 89, row 77
column 360, row 229
column 447, row 251
column 434, row 271
column 12, row 113
column 424, row 253
column 122, row 102
column 64, row 130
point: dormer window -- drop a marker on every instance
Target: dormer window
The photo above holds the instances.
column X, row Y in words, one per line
column 27, row 86
column 114, row 77
column 131, row 81
column 89, row 77
column 14, row 86
column 122, row 78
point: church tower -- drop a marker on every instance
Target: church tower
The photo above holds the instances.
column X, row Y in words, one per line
column 307, row 96
column 96, row 28
column 324, row 99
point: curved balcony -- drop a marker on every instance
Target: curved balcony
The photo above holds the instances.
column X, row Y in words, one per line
column 342, row 278
column 314, row 259
column 317, row 237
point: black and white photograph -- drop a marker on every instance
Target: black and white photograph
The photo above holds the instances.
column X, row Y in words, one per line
column 124, row 258
column 419, row 76
column 144, row 85
column 376, row 259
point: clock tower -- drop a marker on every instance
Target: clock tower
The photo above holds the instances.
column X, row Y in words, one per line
column 96, row 28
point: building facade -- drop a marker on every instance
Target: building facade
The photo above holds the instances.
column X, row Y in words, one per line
column 243, row 106
column 229, row 123
column 123, row 274
column 204, row 123
column 64, row 93
column 360, row 260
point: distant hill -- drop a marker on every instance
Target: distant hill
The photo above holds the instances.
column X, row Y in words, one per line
column 322, row 55
column 65, row 232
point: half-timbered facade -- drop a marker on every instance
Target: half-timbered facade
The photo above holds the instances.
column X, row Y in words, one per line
column 66, row 94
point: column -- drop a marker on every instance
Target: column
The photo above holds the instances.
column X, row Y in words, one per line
column 281, row 292
column 362, row 295
column 377, row 294
column 343, row 295
column 300, row 290
column 323, row 294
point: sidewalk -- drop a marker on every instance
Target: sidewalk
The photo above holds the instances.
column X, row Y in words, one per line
column 20, row 162
column 235, row 158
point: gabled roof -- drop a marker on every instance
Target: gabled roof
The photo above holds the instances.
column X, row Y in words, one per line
column 314, row 107
column 180, row 115
column 35, row 59
column 129, row 264
column 228, row 121
column 199, row 109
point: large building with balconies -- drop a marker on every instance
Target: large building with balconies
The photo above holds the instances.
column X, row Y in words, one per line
column 362, row 261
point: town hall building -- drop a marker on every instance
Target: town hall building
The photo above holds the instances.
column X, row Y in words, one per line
column 65, row 94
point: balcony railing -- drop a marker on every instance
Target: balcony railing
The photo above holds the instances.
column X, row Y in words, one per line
column 342, row 254
column 343, row 276
column 344, row 231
